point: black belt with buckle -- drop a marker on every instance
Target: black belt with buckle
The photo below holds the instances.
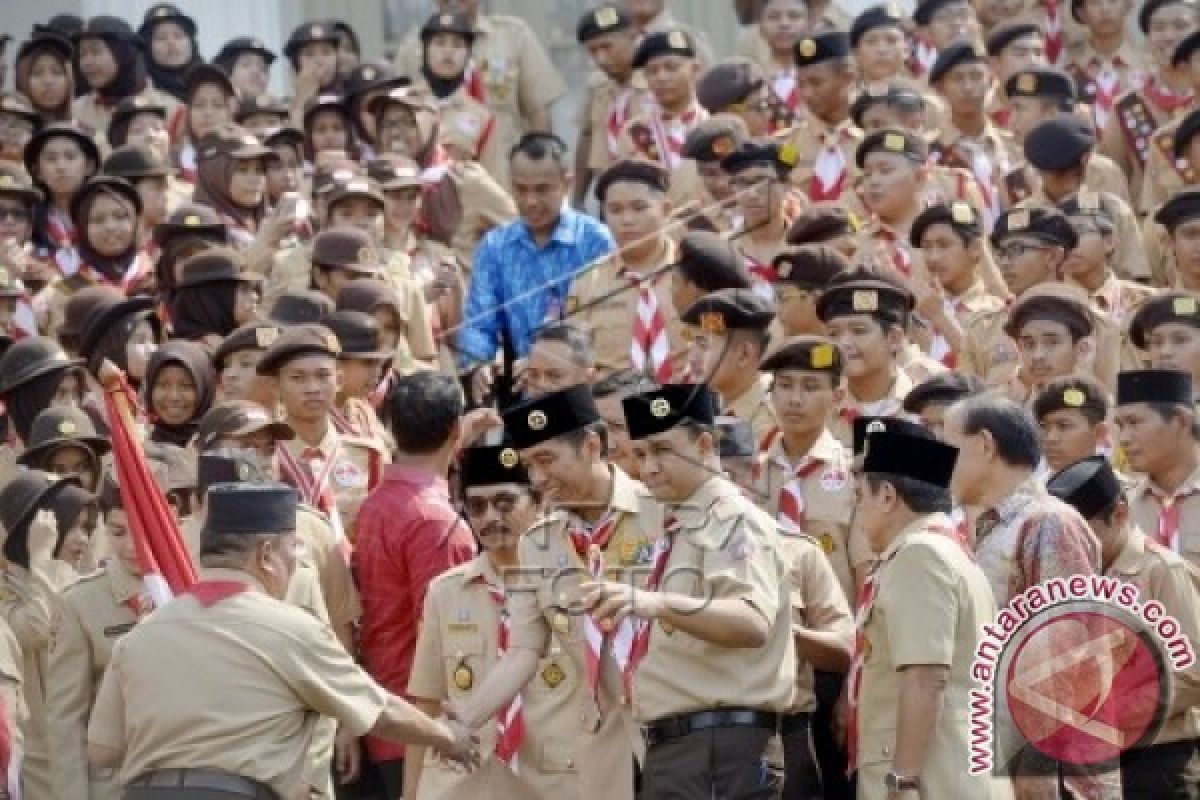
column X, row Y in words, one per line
column 210, row 779
column 792, row 723
column 661, row 730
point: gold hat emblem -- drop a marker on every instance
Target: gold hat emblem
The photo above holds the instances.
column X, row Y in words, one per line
column 1184, row 306
column 821, row 356
column 249, row 141
column 827, row 543
column 788, row 155
column 191, row 220
column 7, row 180
column 509, row 458
column 243, row 471
column 876, row 426
column 366, row 255
column 537, row 420
column 1027, row 83
column 1018, row 220
column 316, row 31
column 446, row 19
column 893, row 142
column 1074, row 398
column 722, row 146
column 961, row 213
column 68, row 427
column 358, row 186
column 865, row 300
column 784, row 270
column 331, row 342
column 677, row 40
column 553, row 675
column 712, row 322
column 265, row 337
column 162, row 11
column 660, row 408
column 606, row 17
column 807, row 48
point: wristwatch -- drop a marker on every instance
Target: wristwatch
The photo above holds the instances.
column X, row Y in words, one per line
column 901, row 783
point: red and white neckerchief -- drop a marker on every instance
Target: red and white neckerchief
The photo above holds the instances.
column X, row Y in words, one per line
column 24, row 319
column 10, row 751
column 939, row 347
column 1108, row 88
column 650, row 347
column 1168, row 516
column 380, row 392
column 1053, row 32
column 139, row 267
column 862, row 610
column 188, row 164
column 343, row 424
column 239, row 234
column 662, row 554
column 62, row 234
column 924, row 55
column 830, row 171
column 618, row 115
column 792, row 507
column 589, row 544
column 672, row 132
column 312, row 477
column 473, row 82
column 1164, row 97
column 510, row 719
column 985, row 172
column 899, row 256
column 786, row 88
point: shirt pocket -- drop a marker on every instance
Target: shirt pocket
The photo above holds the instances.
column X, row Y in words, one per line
column 558, row 757
column 555, row 673
column 463, row 662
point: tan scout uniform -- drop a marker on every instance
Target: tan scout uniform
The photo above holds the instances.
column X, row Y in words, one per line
column 359, row 466
column 604, row 301
column 891, row 405
column 828, row 502
column 518, row 76
column 607, row 108
column 666, row 21
column 268, row 681
column 1164, row 174
column 28, row 603
column 997, row 150
column 1128, row 136
column 811, row 137
column 408, row 270
column 1088, row 67
column 725, row 547
column 1119, row 300
column 10, row 686
column 93, row 614
column 485, row 204
column 607, row 737
column 455, row 653
column 1147, row 506
column 468, row 131
column 754, row 406
column 649, row 136
column 930, row 607
column 1162, row 575
column 752, row 45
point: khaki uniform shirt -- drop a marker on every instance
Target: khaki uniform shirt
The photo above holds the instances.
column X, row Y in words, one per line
column 604, row 301
column 755, row 406
column 93, row 614
column 725, row 548
column 1147, row 507
column 931, row 604
column 409, row 270
column 1129, row 260
column 546, row 600
column 485, row 204
column 890, row 405
column 518, row 76
column 1128, row 136
column 829, row 503
column 360, row 462
column 456, row 650
column 10, row 685
column 818, row 604
column 607, row 108
column 811, row 136
column 647, row 135
column 1119, row 300
column 666, row 21
column 156, row 699
column 1087, row 66
column 1100, row 175
column 953, row 148
column 1162, row 575
column 469, row 130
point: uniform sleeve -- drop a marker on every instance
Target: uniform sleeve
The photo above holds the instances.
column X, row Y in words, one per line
column 32, row 618
column 480, row 333
column 541, row 85
column 427, row 681
column 745, row 565
column 921, row 603
column 68, row 701
column 597, row 245
column 527, row 623
column 420, row 330
column 485, row 205
column 817, row 594
column 107, row 724
column 341, row 597
column 1131, row 260
column 328, row 681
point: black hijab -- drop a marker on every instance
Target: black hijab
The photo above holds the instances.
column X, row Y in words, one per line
column 194, row 359
column 131, row 70
column 171, row 79
column 26, row 401
column 111, row 267
column 197, row 311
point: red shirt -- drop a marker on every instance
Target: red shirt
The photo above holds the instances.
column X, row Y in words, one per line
column 407, row 534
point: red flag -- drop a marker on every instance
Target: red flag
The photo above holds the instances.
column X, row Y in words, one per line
column 166, row 566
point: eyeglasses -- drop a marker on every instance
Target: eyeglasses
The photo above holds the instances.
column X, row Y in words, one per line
column 13, row 214
column 1013, row 250
column 503, row 502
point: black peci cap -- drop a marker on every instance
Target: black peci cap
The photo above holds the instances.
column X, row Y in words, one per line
column 920, row 458
column 1089, row 486
column 1060, row 142
column 490, row 465
column 660, row 410
column 250, row 508
column 1165, row 386
column 544, row 418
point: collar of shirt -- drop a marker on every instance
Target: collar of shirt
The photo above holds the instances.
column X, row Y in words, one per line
column 975, row 293
column 234, row 575
column 669, row 255
column 1130, row 560
column 745, row 406
column 1148, row 486
column 415, row 476
column 1008, row 508
column 825, row 449
column 918, row 525
column 901, row 386
column 481, row 568
column 696, row 510
column 565, row 231
column 626, row 494
column 297, row 446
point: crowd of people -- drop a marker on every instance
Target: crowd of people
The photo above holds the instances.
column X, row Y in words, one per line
column 381, row 441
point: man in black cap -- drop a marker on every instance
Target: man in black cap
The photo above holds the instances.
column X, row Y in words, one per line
column 668, row 61
column 1072, row 414
column 1012, row 47
column 1059, row 149
column 759, row 170
column 1180, row 217
column 1167, row 329
column 604, row 524
column 929, row 400
column 1169, row 766
column 1160, row 99
column 608, row 35
column 715, row 659
column 925, row 604
column 1157, row 422
column 738, row 86
column 731, row 334
column 713, row 208
column 801, row 274
column 826, row 139
column 274, row 680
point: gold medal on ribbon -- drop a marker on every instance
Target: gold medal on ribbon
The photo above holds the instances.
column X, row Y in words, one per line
column 553, row 675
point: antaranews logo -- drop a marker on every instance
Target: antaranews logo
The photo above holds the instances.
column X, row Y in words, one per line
column 1078, row 669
